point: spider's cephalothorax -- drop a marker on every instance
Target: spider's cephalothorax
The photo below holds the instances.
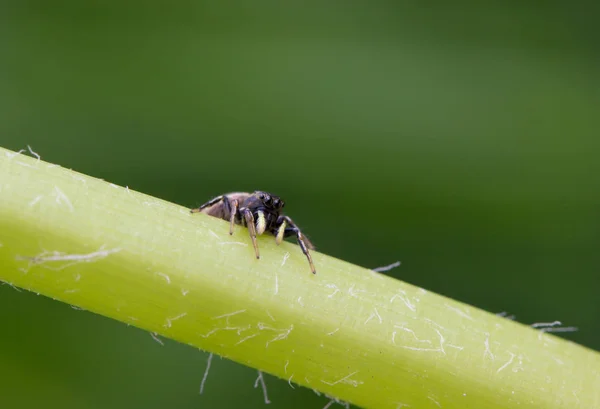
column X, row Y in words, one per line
column 260, row 212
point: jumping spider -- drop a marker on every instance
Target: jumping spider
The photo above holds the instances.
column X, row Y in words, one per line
column 260, row 212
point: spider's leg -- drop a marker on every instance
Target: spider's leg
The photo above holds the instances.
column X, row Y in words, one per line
column 251, row 228
column 208, row 204
column 280, row 231
column 232, row 207
column 303, row 242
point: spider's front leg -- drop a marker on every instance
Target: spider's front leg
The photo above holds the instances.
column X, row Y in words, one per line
column 288, row 228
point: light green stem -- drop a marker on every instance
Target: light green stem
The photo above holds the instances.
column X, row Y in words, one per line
column 348, row 332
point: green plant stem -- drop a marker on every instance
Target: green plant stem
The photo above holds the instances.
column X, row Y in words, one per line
column 348, row 332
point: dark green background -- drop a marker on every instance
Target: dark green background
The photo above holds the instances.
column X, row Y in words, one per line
column 460, row 139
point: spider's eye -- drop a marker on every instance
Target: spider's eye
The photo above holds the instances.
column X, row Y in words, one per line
column 276, row 202
column 261, row 196
column 269, row 201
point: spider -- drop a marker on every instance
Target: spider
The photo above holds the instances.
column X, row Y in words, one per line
column 260, row 212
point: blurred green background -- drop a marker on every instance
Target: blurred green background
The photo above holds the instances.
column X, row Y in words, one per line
column 461, row 139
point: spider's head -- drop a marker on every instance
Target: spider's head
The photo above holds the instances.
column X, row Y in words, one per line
column 269, row 201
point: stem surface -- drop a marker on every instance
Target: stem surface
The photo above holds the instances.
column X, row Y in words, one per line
column 347, row 331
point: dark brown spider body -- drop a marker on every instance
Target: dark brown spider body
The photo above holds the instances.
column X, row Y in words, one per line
column 260, row 212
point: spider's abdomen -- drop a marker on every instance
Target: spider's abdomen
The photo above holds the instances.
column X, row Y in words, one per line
column 221, row 210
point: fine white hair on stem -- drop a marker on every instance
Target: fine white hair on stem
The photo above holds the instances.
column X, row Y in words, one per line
column 506, row 315
column 76, row 257
column 11, row 285
column 61, row 198
column 50, row 257
column 165, row 276
column 154, row 336
column 560, row 329
column 260, row 379
column 38, row 157
column 387, row 268
column 546, row 324
column 169, row 321
column 208, row 362
column 11, row 155
column 331, row 402
column 285, row 258
column 554, row 326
